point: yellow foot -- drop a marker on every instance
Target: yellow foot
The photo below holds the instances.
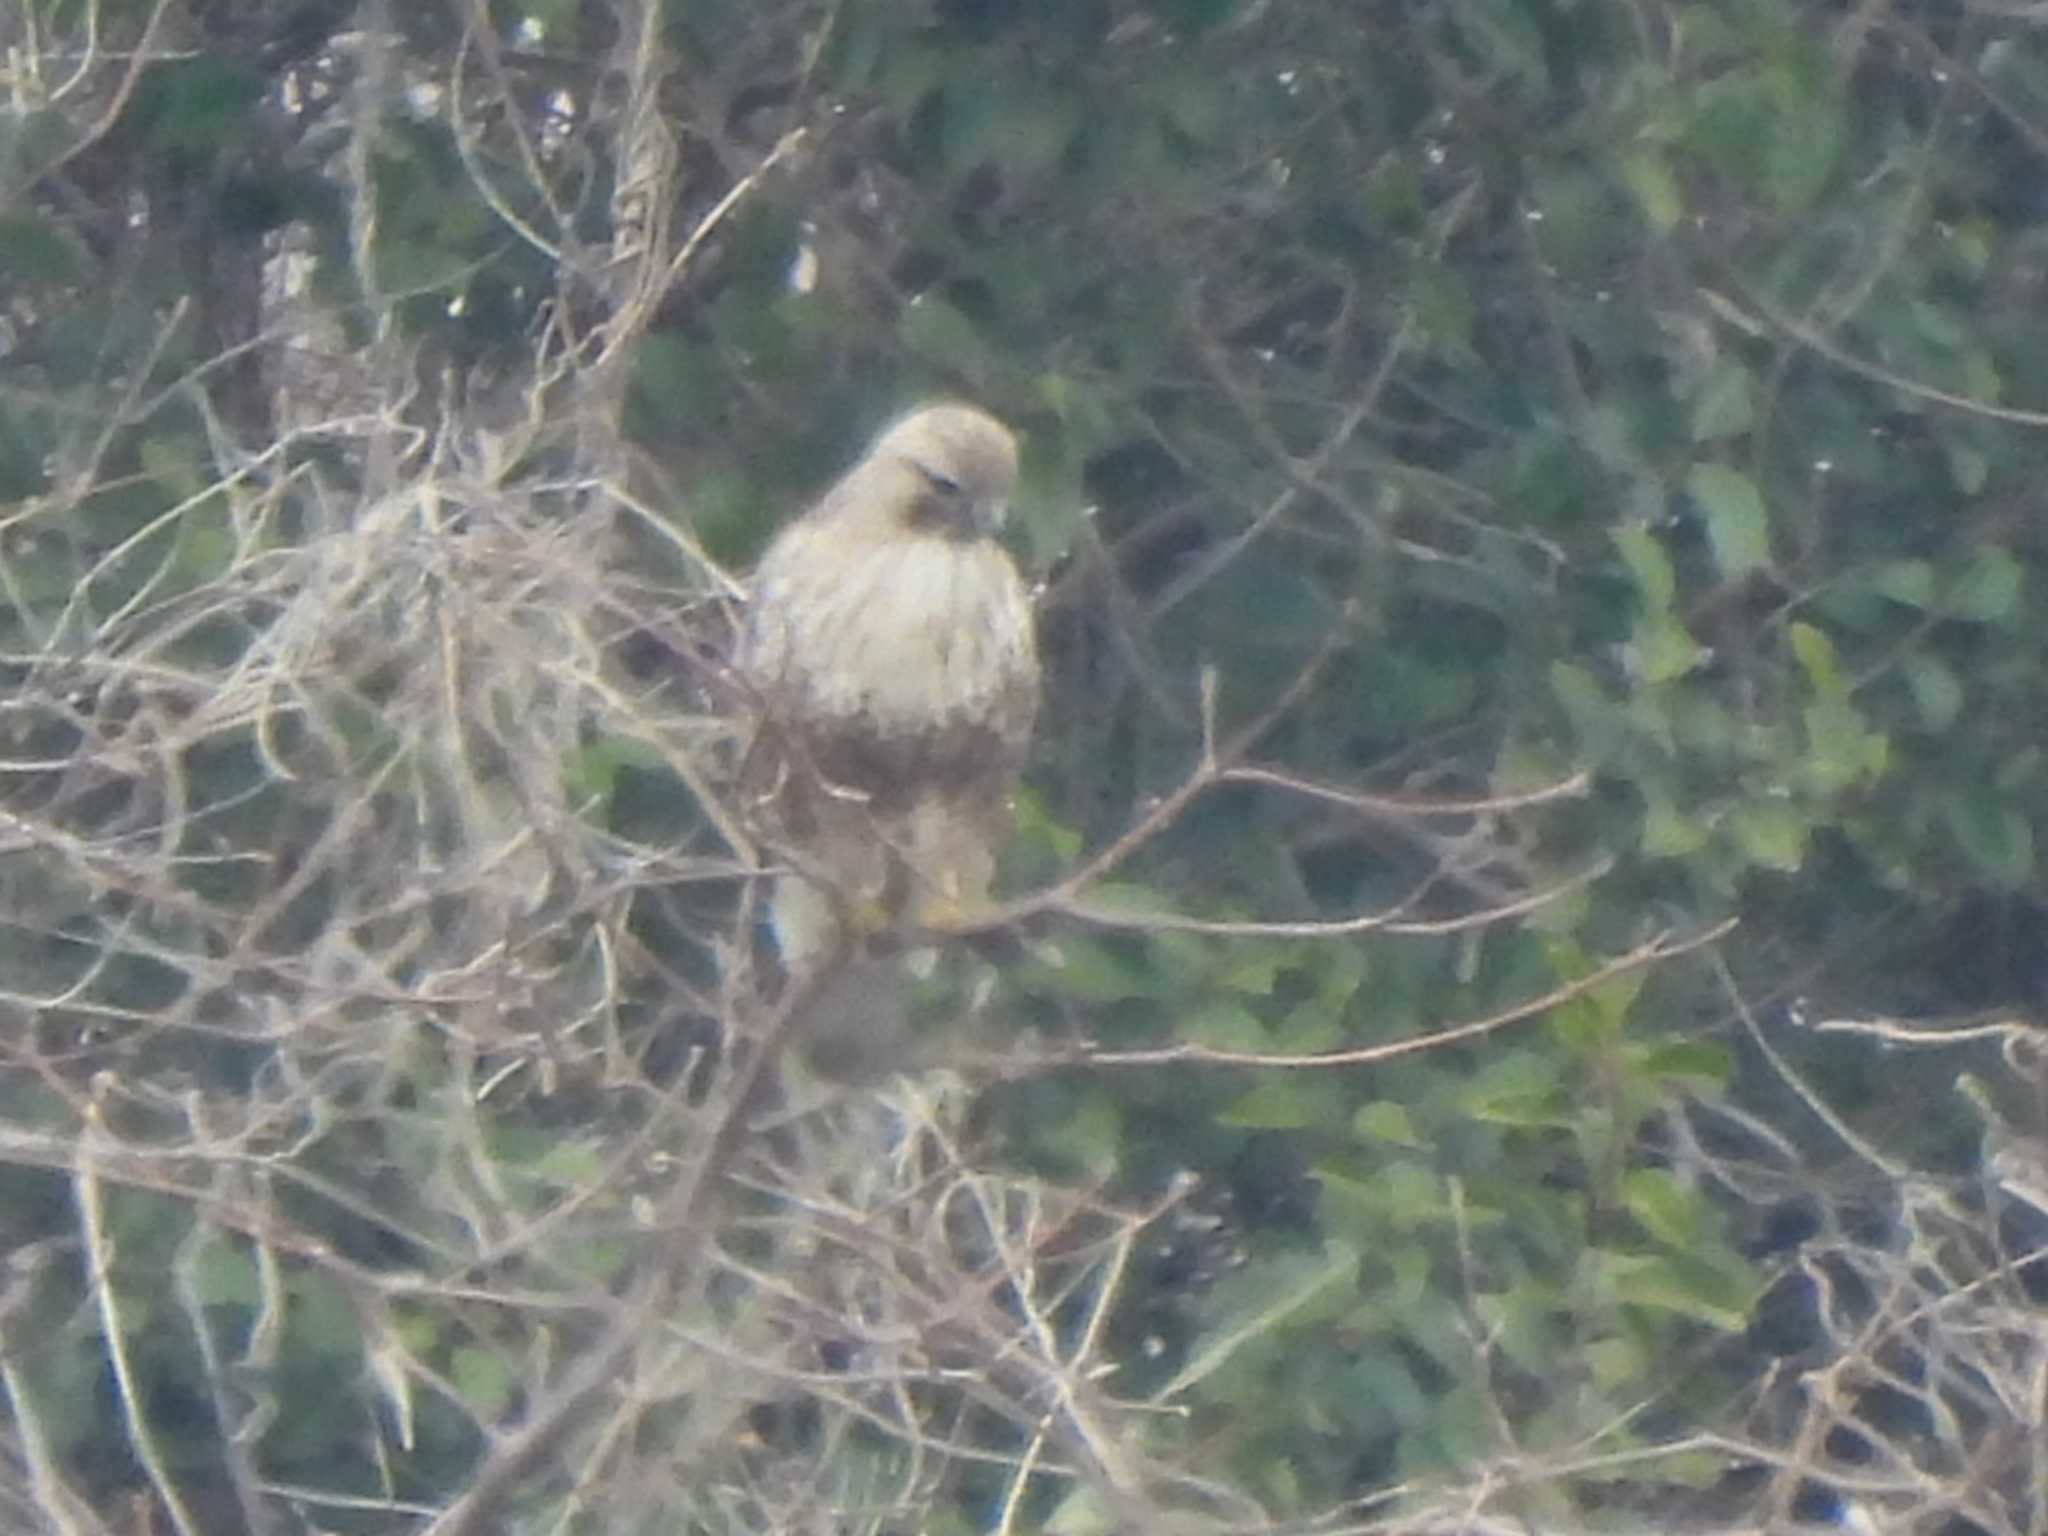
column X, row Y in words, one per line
column 866, row 917
column 945, row 912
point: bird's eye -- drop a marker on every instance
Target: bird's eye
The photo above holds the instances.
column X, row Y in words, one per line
column 943, row 483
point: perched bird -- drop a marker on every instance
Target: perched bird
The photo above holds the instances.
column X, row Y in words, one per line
column 889, row 646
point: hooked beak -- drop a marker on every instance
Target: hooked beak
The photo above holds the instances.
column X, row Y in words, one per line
column 989, row 517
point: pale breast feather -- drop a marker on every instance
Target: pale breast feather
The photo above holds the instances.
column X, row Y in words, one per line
column 905, row 656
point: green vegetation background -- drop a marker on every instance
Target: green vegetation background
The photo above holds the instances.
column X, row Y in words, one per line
column 1644, row 398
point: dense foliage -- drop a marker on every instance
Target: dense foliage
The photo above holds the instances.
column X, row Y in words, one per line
column 1519, row 998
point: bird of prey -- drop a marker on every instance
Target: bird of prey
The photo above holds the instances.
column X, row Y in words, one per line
column 889, row 647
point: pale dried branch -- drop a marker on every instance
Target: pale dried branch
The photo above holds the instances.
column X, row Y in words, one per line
column 1661, row 948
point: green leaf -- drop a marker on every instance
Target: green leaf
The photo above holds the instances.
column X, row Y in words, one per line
column 224, row 1274
column 1020, row 125
column 1937, row 691
column 1090, row 1136
column 571, row 1164
column 1667, row 834
column 1616, row 996
column 1286, row 1101
column 1391, row 199
column 1384, row 1120
column 1224, row 1026
column 1996, row 839
column 906, row 72
column 1903, row 581
column 207, row 545
column 591, row 772
column 1671, row 1283
column 1603, row 730
column 1817, row 658
column 1804, row 147
column 1665, row 1208
column 1737, row 526
column 1413, row 1270
column 1264, row 1296
column 1311, row 1027
column 1340, row 970
column 173, row 461
column 1088, row 969
column 1506, row 34
column 1970, row 245
column 1841, row 749
column 1968, row 467
column 1726, row 407
column 1521, row 1088
column 599, row 1258
column 197, row 105
column 1649, row 566
column 1981, row 381
column 484, row 1380
column 1034, row 818
column 1442, row 308
column 1195, row 101
column 1772, row 833
column 1655, row 189
column 1402, row 1194
column 319, row 1321
column 1987, row 588
column 1702, row 1063
column 1618, row 1360
column 1666, row 650
column 944, row 336
column 1256, row 969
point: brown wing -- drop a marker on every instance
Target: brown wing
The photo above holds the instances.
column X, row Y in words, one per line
column 884, row 803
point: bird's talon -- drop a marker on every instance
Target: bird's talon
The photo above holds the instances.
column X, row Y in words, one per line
column 867, row 917
column 941, row 912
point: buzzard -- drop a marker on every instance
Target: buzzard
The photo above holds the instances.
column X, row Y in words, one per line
column 889, row 645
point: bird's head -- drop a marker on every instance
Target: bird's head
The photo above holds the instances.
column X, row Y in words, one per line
column 953, row 469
